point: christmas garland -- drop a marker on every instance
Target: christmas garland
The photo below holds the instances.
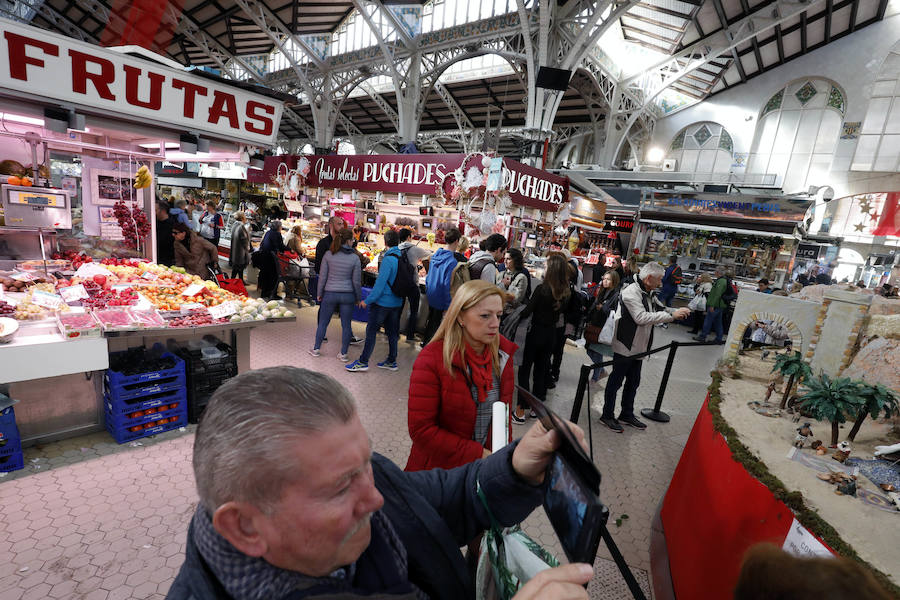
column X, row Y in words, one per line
column 724, row 238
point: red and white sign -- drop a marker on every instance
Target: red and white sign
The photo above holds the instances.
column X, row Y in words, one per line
column 61, row 69
column 418, row 174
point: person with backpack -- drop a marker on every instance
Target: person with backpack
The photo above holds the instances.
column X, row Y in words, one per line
column 571, row 319
column 447, row 270
column 671, row 280
column 483, row 264
column 720, row 296
column 384, row 308
column 211, row 224
column 413, row 255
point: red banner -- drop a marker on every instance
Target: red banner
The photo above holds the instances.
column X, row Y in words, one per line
column 419, row 174
column 713, row 511
column 889, row 223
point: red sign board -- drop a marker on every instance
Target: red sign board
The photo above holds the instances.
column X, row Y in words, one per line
column 420, row 174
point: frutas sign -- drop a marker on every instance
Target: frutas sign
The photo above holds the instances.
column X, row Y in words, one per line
column 420, row 173
column 62, row 69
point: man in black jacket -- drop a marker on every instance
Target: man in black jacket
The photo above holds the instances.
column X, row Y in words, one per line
column 295, row 505
column 165, row 243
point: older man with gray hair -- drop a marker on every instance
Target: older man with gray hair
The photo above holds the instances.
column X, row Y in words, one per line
column 639, row 311
column 294, row 504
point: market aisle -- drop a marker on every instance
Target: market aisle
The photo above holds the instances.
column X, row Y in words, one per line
column 99, row 521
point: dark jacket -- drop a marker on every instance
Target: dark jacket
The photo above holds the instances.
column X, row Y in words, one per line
column 165, row 243
column 239, row 256
column 442, row 412
column 198, row 257
column 322, row 248
column 434, row 513
column 604, row 304
column 542, row 307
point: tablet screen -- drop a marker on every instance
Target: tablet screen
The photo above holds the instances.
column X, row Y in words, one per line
column 566, row 503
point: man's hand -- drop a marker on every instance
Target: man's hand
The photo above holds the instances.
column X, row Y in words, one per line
column 561, row 583
column 682, row 313
column 532, row 455
column 362, row 304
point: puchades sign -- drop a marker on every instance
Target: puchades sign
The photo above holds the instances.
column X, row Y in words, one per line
column 421, row 173
column 96, row 80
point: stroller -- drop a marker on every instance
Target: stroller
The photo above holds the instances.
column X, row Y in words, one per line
column 295, row 277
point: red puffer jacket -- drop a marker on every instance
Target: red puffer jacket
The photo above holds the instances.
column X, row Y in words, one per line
column 442, row 412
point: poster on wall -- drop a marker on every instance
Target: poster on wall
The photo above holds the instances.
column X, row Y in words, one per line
column 109, row 224
column 108, row 187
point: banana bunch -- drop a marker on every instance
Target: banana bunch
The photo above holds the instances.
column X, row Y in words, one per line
column 143, row 179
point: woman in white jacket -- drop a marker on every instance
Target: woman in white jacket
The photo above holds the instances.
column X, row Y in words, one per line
column 702, row 287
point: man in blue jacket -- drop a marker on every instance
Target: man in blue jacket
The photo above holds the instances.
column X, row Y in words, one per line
column 384, row 309
column 294, row 504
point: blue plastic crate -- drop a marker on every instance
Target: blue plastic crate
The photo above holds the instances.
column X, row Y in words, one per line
column 123, row 435
column 133, row 391
column 120, row 420
column 119, row 406
column 362, row 314
column 129, row 386
column 11, row 462
column 9, row 431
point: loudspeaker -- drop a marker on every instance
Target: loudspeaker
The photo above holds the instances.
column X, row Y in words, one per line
column 553, row 79
column 187, row 144
column 56, row 120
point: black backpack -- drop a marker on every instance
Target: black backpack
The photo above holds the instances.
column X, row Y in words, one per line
column 406, row 281
column 477, row 267
column 729, row 293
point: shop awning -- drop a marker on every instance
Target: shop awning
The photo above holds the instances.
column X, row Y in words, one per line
column 772, row 229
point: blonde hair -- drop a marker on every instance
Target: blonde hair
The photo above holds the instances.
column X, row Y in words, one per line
column 463, row 244
column 239, row 216
column 704, row 278
column 466, row 297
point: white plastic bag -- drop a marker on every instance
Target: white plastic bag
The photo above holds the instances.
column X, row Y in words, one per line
column 698, row 302
column 609, row 328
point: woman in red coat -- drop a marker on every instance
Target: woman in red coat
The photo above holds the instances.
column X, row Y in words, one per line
column 457, row 378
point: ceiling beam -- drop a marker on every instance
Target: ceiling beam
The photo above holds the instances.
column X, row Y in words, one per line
column 829, row 9
column 854, row 10
column 882, row 7
column 779, row 42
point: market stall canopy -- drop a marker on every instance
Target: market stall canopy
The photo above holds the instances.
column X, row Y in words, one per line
column 587, row 212
column 773, row 214
column 418, row 174
column 60, row 70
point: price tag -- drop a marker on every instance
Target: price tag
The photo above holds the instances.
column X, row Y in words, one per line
column 73, row 293
column 189, row 306
column 123, row 286
column 150, row 276
column 21, row 276
column 193, row 289
column 226, row 309
column 51, row 301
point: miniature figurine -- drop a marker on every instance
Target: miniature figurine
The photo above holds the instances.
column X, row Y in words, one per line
column 803, row 434
column 816, row 445
column 842, row 452
column 846, row 488
column 769, row 390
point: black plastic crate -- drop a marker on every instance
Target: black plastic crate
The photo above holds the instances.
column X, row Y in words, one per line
column 205, row 376
column 197, row 407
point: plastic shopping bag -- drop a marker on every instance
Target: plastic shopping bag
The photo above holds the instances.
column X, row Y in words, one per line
column 698, row 302
column 609, row 328
column 508, row 560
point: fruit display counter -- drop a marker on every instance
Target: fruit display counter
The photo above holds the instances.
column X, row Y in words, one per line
column 68, row 322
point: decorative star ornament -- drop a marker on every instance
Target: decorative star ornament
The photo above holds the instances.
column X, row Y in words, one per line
column 875, row 216
column 859, row 227
column 865, row 207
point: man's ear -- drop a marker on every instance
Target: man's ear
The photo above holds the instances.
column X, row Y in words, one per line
column 239, row 523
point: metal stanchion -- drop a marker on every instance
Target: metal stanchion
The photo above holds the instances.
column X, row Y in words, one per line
column 579, row 393
column 655, row 414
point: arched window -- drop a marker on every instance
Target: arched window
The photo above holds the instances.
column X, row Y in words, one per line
column 797, row 133
column 878, row 148
column 704, row 147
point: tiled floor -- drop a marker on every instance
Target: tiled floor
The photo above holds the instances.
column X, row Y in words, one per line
column 89, row 519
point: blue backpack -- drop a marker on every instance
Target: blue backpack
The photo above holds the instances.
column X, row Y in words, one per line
column 438, row 279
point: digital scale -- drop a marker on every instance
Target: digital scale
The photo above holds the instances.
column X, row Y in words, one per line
column 34, row 207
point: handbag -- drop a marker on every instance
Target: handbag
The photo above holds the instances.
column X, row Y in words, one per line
column 592, row 333
column 698, row 302
column 508, row 559
column 608, row 333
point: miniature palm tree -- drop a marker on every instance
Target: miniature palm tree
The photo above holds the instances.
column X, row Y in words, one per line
column 831, row 399
column 792, row 366
column 877, row 399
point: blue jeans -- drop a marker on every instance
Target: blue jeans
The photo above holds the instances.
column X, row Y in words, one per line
column 344, row 302
column 597, row 357
column 379, row 315
column 713, row 320
column 667, row 294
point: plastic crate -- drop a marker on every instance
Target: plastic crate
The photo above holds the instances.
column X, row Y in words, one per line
column 122, row 435
column 197, row 407
column 12, row 461
column 120, row 406
column 195, row 364
column 126, row 383
column 9, row 431
column 120, row 419
column 136, row 391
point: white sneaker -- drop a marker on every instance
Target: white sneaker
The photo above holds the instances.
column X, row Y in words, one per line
column 343, row 357
column 314, row 352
